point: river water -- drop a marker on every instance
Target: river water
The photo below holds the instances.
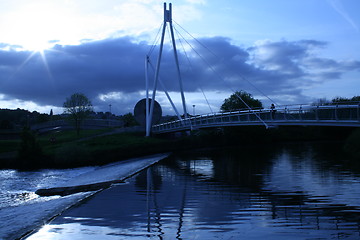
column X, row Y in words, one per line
column 293, row 191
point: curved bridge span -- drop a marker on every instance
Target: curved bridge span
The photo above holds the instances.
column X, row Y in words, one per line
column 300, row 115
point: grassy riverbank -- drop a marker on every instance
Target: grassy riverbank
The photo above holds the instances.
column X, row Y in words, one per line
column 96, row 147
column 66, row 149
column 103, row 149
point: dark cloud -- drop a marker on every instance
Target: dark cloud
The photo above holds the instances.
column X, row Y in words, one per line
column 112, row 70
column 11, row 59
column 284, row 57
column 332, row 65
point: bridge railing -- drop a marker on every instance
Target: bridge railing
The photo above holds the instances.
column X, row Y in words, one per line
column 294, row 113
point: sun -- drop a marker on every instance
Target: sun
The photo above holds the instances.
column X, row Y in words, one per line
column 36, row 25
column 37, row 45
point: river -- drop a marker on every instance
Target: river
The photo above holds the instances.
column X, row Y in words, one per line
column 22, row 210
column 292, row 191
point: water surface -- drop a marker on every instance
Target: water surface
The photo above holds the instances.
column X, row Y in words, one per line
column 298, row 191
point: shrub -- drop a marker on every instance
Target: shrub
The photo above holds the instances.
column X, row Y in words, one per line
column 30, row 154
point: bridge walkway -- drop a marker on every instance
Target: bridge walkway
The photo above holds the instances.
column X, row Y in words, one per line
column 301, row 115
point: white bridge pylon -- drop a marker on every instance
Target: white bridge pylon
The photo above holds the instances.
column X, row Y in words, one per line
column 150, row 109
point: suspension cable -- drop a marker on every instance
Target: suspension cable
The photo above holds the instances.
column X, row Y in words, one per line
column 217, row 57
column 220, row 77
column 190, row 66
column 211, row 67
column 156, row 40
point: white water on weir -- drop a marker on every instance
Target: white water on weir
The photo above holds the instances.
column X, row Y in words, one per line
column 22, row 210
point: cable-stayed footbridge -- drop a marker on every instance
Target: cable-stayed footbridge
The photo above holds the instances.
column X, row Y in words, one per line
column 331, row 114
column 345, row 115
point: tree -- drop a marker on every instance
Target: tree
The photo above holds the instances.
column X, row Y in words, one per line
column 355, row 99
column 129, row 120
column 344, row 100
column 234, row 102
column 79, row 107
column 337, row 101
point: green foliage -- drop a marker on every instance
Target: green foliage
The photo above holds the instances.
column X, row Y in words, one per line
column 129, row 120
column 356, row 98
column 50, row 143
column 343, row 100
column 79, row 107
column 237, row 99
column 120, row 146
column 19, row 117
column 30, row 153
column 102, row 149
column 119, row 140
column 337, row 100
column 71, row 155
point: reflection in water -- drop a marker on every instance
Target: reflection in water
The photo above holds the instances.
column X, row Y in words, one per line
column 282, row 192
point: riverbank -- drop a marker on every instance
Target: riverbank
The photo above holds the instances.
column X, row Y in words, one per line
column 68, row 150
column 94, row 148
column 28, row 211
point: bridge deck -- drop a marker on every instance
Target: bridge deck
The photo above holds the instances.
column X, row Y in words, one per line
column 303, row 115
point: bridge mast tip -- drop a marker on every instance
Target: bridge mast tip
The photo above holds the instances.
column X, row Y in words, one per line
column 167, row 13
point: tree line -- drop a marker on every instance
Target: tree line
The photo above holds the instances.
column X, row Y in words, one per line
column 338, row 100
column 78, row 107
column 242, row 100
column 10, row 119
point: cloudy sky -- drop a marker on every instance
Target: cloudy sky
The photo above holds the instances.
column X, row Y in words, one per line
column 291, row 52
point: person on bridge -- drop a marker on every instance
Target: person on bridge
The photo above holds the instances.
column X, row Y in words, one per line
column 272, row 111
